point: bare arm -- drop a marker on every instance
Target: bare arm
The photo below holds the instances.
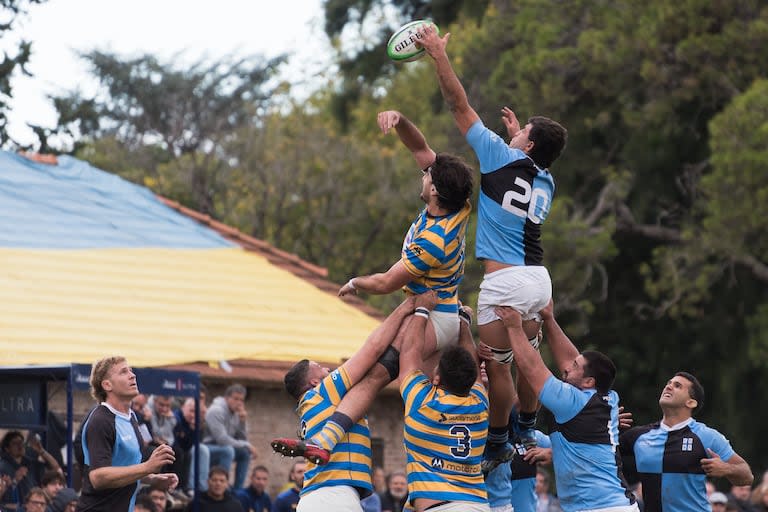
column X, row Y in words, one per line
column 736, row 470
column 379, row 284
column 412, row 351
column 111, row 477
column 453, row 92
column 467, row 342
column 378, row 341
column 410, row 136
column 563, row 350
column 527, row 359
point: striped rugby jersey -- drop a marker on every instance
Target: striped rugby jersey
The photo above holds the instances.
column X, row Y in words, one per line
column 350, row 462
column 444, row 438
column 433, row 251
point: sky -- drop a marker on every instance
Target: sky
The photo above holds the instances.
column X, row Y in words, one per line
column 58, row 29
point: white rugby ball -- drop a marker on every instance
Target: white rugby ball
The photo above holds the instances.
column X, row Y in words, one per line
column 402, row 45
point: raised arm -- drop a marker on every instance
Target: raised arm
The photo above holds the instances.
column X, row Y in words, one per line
column 527, row 358
column 465, row 337
column 379, row 284
column 409, row 135
column 412, row 351
column 377, row 342
column 453, row 92
column 563, row 350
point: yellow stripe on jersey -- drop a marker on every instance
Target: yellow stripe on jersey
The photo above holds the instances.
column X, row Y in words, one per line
column 350, row 462
column 444, row 437
column 433, row 252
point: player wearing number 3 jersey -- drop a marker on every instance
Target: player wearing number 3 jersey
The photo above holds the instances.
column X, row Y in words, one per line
column 446, row 424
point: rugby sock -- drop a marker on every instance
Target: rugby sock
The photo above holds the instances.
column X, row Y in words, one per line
column 498, row 435
column 335, row 428
column 527, row 420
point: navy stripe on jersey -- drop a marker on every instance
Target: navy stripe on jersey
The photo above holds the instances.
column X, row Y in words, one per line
column 589, row 426
column 668, row 463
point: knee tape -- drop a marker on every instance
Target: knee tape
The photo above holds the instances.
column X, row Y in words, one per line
column 503, row 356
column 390, row 360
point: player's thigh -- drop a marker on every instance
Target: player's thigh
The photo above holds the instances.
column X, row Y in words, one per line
column 494, row 334
column 339, row 498
column 527, row 289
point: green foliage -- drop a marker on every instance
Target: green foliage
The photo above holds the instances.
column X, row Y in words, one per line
column 13, row 61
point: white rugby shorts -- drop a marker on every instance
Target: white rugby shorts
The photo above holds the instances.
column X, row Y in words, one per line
column 446, row 328
column 339, row 498
column 527, row 289
column 462, row 506
column 503, row 508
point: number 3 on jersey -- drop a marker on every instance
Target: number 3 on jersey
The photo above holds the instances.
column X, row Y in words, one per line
column 536, row 199
column 464, row 441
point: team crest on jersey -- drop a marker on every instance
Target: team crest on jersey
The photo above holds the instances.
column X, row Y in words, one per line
column 437, row 463
column 687, row 444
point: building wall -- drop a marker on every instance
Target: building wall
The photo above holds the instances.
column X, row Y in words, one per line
column 271, row 413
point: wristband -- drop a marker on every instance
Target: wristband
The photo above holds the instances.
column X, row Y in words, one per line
column 351, row 284
column 421, row 311
column 464, row 316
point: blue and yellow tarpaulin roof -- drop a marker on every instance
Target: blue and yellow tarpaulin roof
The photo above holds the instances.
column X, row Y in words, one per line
column 92, row 265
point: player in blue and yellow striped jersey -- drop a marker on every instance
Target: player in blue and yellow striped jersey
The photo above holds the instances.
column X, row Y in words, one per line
column 346, row 476
column 432, row 260
column 446, row 424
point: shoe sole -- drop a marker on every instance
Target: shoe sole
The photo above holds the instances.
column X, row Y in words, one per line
column 297, row 448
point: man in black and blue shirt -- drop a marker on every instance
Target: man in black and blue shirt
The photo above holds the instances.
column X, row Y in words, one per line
column 674, row 457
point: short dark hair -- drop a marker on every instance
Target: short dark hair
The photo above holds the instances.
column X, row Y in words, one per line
column 549, row 138
column 8, row 438
column 218, row 470
column 144, row 501
column 695, row 391
column 50, row 476
column 296, row 379
column 259, row 468
column 452, row 178
column 601, row 368
column 235, row 388
column 457, row 370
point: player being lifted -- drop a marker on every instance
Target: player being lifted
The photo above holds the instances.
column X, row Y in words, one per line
column 432, row 259
column 516, row 191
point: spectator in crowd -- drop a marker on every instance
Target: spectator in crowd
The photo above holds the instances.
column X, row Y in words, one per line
column 394, row 498
column 158, row 496
column 371, row 503
column 760, row 498
column 184, row 446
column 52, row 482
column 739, row 496
column 23, row 467
column 709, row 487
column 227, row 433
column 287, row 500
column 65, row 501
column 36, row 500
column 217, row 498
column 254, row 498
column 379, row 480
column 140, row 407
column 162, row 419
column 718, row 501
column 143, row 504
column 546, row 501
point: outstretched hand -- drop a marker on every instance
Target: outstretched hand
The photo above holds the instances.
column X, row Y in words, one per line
column 510, row 121
column 348, row 289
column 388, row 120
column 431, row 41
column 509, row 316
column 164, row 481
column 427, row 300
column 625, row 419
column 484, row 352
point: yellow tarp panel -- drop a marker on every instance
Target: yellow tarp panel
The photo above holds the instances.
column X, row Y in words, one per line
column 166, row 306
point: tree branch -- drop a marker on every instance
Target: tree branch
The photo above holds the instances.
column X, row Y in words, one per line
column 758, row 268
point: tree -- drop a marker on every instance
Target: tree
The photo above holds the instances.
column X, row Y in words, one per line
column 10, row 10
column 182, row 114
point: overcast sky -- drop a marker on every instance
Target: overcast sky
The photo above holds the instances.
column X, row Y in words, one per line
column 59, row 28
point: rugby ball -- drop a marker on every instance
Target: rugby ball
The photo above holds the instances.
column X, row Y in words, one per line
column 402, row 45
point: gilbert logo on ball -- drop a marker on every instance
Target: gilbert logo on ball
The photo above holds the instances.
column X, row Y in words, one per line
column 402, row 45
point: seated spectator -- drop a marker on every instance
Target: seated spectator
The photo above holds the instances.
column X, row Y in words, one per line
column 760, row 498
column 254, row 498
column 379, row 480
column 52, row 482
column 184, row 439
column 393, row 500
column 739, row 496
column 286, row 501
column 36, row 500
column 163, row 424
column 24, row 468
column 143, row 504
column 65, row 501
column 217, row 498
column 227, row 433
column 371, row 503
column 143, row 414
column 718, row 501
column 546, row 501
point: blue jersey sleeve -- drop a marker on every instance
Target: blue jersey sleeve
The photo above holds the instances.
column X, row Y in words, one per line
column 715, row 441
column 542, row 440
column 562, row 399
column 491, row 150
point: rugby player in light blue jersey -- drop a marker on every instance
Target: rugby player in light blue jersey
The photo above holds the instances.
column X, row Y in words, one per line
column 516, row 192
column 585, row 432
